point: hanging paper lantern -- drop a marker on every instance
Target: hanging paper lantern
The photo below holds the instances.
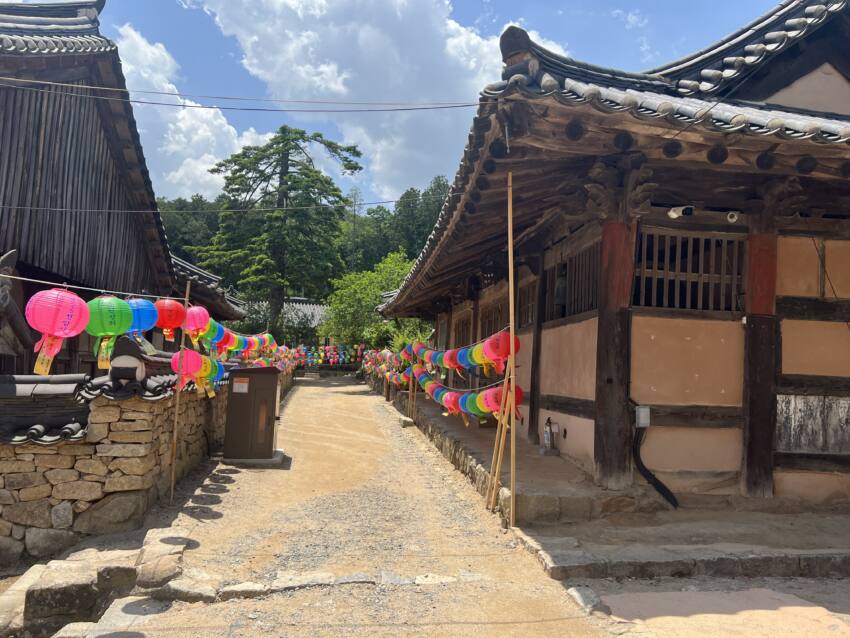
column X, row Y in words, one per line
column 109, row 317
column 187, row 364
column 195, row 322
column 228, row 339
column 451, row 401
column 170, row 316
column 498, row 348
column 144, row 319
column 57, row 314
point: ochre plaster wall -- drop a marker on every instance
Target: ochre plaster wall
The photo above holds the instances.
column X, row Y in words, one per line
column 815, row 347
column 686, row 361
column 797, row 267
column 814, row 487
column 579, row 442
column 838, row 267
column 568, row 360
column 693, row 449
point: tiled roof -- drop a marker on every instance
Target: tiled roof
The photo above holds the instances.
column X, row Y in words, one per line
column 313, row 311
column 207, row 288
column 719, row 67
column 42, row 409
column 52, row 27
column 533, row 72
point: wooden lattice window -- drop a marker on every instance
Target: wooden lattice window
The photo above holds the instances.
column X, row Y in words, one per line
column 526, row 304
column 493, row 319
column 689, row 270
column 463, row 332
column 572, row 287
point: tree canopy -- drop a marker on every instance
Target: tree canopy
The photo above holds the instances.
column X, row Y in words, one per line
column 352, row 317
column 296, row 233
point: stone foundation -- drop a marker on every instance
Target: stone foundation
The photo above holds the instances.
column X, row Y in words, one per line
column 49, row 495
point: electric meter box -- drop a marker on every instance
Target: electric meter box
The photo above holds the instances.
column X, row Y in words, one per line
column 252, row 410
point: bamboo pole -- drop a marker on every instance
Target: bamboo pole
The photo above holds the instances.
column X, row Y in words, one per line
column 177, row 397
column 512, row 360
column 494, row 499
column 499, row 425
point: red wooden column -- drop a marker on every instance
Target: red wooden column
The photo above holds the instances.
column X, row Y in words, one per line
column 761, row 359
column 613, row 431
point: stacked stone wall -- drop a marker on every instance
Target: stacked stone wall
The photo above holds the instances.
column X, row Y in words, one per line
column 50, row 495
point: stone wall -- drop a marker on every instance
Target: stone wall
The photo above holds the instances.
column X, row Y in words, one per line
column 50, row 495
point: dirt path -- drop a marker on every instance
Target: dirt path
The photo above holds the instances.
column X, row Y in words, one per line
column 361, row 496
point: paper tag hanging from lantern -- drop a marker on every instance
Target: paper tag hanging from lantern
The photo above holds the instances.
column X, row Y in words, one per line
column 170, row 315
column 109, row 317
column 58, row 314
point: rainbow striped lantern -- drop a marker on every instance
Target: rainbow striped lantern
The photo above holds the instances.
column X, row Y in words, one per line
column 195, row 323
column 211, row 336
column 57, row 314
column 187, row 364
column 144, row 319
column 109, row 317
column 202, row 378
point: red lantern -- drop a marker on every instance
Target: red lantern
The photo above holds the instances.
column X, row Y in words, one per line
column 170, row 316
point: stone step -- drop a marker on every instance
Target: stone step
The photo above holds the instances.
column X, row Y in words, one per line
column 566, row 559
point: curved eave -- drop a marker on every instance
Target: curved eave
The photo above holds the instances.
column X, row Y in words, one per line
column 666, row 111
column 724, row 64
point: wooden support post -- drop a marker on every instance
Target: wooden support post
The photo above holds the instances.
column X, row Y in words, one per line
column 177, row 396
column 537, row 337
column 492, row 486
column 613, row 431
column 761, row 360
column 512, row 324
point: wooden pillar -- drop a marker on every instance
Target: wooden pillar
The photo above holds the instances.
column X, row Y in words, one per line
column 613, row 431
column 761, row 358
column 537, row 336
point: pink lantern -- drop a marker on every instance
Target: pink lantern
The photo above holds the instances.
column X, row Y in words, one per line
column 498, row 348
column 186, row 363
column 196, row 322
column 451, row 401
column 57, row 314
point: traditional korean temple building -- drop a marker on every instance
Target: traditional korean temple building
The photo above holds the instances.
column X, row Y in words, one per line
column 68, row 162
column 683, row 243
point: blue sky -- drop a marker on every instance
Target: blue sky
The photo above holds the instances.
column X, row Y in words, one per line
column 411, row 50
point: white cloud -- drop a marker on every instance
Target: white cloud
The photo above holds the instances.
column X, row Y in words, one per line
column 370, row 50
column 647, row 52
column 181, row 145
column 632, row 19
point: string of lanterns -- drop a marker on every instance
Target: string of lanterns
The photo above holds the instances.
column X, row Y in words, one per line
column 489, row 354
column 60, row 314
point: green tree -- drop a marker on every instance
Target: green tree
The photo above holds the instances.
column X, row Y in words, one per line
column 286, row 243
column 352, row 316
column 189, row 222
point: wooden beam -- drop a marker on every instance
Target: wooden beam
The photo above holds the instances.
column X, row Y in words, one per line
column 613, row 431
column 534, row 390
column 583, row 408
column 812, row 462
column 811, row 384
column 761, row 334
column 813, row 308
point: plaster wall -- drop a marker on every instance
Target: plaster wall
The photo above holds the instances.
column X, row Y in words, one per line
column 815, row 347
column 813, row 487
column 568, row 360
column 578, row 444
column 687, row 361
column 797, row 267
column 838, row 267
column 824, row 89
column 693, row 449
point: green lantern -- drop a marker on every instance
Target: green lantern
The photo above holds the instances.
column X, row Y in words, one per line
column 109, row 317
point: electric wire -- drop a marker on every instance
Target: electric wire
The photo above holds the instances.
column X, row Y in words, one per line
column 253, row 109
column 231, row 97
